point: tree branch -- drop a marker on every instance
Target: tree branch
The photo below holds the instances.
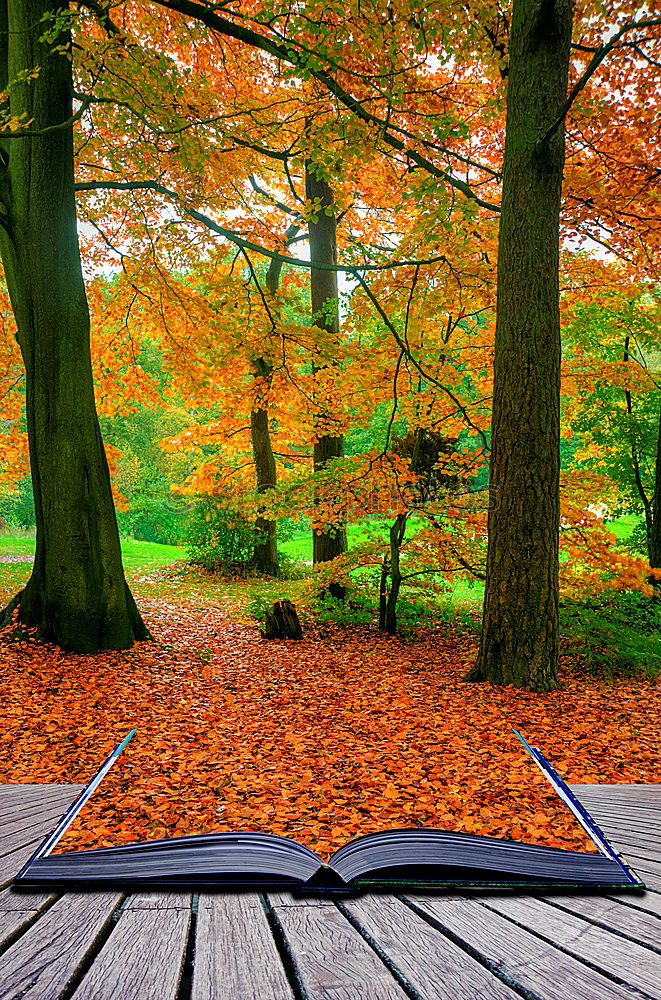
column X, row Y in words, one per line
column 599, row 55
column 239, row 240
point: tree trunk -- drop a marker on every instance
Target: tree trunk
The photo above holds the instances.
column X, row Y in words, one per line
column 391, row 564
column 397, row 531
column 654, row 538
column 76, row 596
column 330, row 542
column 265, row 553
column 383, row 592
column 519, row 642
column 282, row 622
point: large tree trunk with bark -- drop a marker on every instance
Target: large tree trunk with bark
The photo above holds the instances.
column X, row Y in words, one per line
column 654, row 536
column 324, row 296
column 519, row 643
column 76, row 596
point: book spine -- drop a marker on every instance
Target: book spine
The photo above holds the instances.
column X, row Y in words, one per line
column 596, row 835
column 52, row 838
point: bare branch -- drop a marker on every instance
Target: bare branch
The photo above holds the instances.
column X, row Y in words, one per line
column 599, row 55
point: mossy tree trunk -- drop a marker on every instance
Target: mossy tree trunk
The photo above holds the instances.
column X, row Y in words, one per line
column 519, row 643
column 389, row 597
column 76, row 596
column 389, row 594
column 332, row 541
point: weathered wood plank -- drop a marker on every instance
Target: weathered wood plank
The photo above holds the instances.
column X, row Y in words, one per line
column 15, row 830
column 17, row 912
column 636, row 791
column 34, row 831
column 332, row 960
column 621, row 809
column 632, row 962
column 649, row 901
column 641, row 863
column 607, row 815
column 651, row 881
column 27, row 793
column 10, row 900
column 614, row 915
column 19, row 804
column 432, row 964
column 21, row 790
column 633, row 835
column 20, row 837
column 142, row 959
column 11, row 864
column 43, row 962
column 159, row 901
column 523, row 959
column 235, row 947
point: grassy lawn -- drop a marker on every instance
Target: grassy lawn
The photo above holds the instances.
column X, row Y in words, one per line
column 20, row 547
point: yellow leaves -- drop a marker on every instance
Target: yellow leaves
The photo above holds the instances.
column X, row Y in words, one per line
column 16, row 123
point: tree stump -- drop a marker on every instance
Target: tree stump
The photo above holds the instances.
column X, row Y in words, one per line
column 282, row 622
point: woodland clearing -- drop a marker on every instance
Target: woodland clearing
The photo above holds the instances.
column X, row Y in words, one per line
column 346, row 732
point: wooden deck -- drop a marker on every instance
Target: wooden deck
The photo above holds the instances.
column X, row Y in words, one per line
column 179, row 946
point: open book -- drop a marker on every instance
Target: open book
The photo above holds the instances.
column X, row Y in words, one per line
column 396, row 859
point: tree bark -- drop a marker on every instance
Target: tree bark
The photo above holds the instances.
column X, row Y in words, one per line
column 76, row 596
column 282, row 622
column 519, row 643
column 654, row 537
column 265, row 553
column 330, row 542
column 397, row 532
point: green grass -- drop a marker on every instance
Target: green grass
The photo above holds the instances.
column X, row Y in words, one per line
column 623, row 526
column 299, row 547
column 18, row 546
column 134, row 553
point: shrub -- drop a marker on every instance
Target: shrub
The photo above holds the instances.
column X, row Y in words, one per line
column 154, row 519
column 355, row 609
column 218, row 539
column 614, row 633
column 17, row 507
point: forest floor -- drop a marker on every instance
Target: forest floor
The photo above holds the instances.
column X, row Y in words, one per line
column 345, row 732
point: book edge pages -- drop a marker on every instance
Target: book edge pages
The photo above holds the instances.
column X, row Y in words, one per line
column 564, row 792
column 594, row 832
column 70, row 813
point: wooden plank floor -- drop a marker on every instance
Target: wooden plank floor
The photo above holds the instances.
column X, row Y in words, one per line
column 188, row 946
